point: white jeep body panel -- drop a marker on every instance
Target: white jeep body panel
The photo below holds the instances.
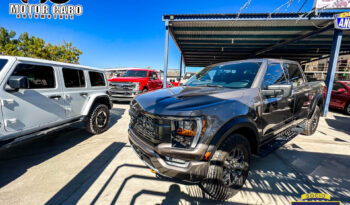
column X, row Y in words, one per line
column 27, row 111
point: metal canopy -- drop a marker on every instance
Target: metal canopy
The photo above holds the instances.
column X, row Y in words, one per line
column 207, row 39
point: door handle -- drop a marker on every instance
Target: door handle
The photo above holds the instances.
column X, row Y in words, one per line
column 84, row 94
column 55, row 97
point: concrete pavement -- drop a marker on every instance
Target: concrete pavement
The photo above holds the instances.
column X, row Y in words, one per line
column 75, row 167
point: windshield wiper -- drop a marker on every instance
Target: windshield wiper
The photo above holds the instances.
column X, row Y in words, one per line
column 214, row 86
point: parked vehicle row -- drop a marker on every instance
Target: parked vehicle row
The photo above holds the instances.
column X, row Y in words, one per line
column 39, row 96
column 134, row 82
column 206, row 131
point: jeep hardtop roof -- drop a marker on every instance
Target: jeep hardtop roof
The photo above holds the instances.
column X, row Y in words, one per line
column 49, row 62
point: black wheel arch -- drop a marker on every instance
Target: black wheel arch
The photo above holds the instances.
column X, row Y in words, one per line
column 242, row 125
column 103, row 100
column 317, row 101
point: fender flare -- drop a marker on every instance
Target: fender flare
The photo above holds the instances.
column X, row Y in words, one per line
column 92, row 100
column 230, row 127
column 315, row 102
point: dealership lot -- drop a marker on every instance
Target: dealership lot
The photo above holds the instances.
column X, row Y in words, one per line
column 76, row 167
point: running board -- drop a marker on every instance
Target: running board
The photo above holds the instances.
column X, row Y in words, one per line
column 280, row 140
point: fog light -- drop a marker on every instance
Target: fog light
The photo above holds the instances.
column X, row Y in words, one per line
column 176, row 162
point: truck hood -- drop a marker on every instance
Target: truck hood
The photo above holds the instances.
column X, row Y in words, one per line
column 127, row 79
column 181, row 100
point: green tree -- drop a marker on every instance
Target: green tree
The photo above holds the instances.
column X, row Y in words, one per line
column 35, row 47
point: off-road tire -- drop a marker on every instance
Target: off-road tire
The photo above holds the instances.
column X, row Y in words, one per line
column 91, row 121
column 312, row 123
column 214, row 184
column 347, row 108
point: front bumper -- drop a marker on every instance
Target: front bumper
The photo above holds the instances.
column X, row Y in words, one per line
column 192, row 170
column 123, row 95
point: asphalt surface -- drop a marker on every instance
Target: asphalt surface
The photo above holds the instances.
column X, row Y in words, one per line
column 75, row 167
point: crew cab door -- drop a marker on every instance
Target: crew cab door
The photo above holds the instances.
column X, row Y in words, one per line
column 38, row 105
column 301, row 101
column 154, row 81
column 75, row 91
column 276, row 110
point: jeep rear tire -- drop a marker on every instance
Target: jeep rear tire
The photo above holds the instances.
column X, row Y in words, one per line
column 228, row 169
column 98, row 119
column 312, row 123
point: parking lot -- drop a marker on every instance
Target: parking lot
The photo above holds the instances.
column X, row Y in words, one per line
column 75, row 167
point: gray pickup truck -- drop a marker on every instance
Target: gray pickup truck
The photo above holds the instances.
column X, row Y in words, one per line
column 206, row 130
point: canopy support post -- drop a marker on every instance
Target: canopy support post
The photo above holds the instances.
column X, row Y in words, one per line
column 166, row 54
column 333, row 60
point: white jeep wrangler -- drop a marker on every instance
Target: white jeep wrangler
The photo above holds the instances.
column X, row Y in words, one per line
column 40, row 96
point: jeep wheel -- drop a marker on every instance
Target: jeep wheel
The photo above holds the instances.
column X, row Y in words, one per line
column 347, row 109
column 228, row 169
column 312, row 123
column 98, row 119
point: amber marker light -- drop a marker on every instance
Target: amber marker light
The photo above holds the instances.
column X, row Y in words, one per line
column 207, row 156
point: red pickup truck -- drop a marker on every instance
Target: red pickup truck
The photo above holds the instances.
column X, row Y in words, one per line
column 340, row 97
column 132, row 83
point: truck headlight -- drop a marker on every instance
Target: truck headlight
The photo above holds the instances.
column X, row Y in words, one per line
column 186, row 133
column 137, row 86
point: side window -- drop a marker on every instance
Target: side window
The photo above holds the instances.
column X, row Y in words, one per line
column 295, row 75
column 73, row 78
column 337, row 86
column 274, row 75
column 153, row 76
column 97, row 79
column 39, row 77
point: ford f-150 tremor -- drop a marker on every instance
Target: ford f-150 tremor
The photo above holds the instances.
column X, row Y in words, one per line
column 206, row 130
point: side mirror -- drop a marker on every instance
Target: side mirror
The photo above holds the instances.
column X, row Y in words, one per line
column 278, row 90
column 18, row 82
column 341, row 90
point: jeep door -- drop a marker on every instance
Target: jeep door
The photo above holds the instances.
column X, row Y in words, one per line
column 301, row 102
column 276, row 110
column 37, row 106
column 75, row 91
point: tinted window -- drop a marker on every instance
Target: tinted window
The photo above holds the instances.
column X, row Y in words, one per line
column 295, row 75
column 234, row 75
column 153, row 75
column 274, row 75
column 136, row 73
column 337, row 86
column 97, row 79
column 73, row 78
column 2, row 63
column 39, row 77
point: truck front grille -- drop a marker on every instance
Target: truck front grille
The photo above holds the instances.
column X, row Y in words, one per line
column 149, row 127
column 127, row 86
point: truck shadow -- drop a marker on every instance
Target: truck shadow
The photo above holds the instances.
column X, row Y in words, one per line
column 18, row 158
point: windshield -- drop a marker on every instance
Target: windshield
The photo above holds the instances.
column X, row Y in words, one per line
column 2, row 63
column 135, row 73
column 188, row 75
column 235, row 75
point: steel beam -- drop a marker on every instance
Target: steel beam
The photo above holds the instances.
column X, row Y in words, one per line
column 332, row 67
column 166, row 53
column 320, row 30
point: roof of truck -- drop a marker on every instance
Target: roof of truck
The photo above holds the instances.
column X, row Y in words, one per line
column 51, row 62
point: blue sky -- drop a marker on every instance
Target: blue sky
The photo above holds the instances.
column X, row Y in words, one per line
column 115, row 33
